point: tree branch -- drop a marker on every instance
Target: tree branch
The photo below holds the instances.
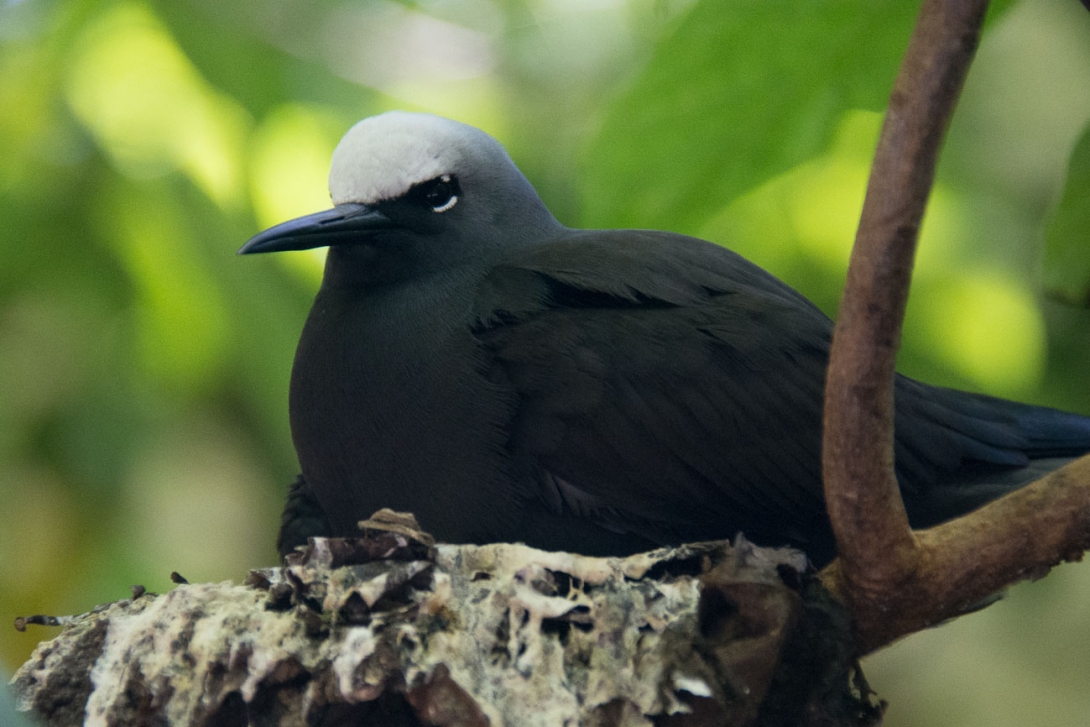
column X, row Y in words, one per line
column 958, row 565
column 896, row 581
column 861, row 490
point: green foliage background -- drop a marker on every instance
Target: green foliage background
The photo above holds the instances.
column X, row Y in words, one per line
column 144, row 368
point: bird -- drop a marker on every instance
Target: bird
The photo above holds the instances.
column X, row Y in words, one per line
column 470, row 359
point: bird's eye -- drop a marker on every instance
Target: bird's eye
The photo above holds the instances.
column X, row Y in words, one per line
column 440, row 193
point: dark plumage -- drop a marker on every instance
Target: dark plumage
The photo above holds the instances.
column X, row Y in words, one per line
column 506, row 378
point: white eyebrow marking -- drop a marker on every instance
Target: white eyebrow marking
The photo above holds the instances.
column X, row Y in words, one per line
column 382, row 157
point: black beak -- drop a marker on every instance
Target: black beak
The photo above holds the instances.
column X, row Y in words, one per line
column 344, row 224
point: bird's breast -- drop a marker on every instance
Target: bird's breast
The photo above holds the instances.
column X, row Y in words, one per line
column 389, row 408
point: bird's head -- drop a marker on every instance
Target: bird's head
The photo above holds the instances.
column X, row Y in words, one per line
column 413, row 193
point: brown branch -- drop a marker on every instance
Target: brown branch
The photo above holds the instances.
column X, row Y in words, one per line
column 868, row 516
column 894, row 580
column 958, row 565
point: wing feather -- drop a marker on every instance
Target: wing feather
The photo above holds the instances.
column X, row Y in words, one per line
column 672, row 389
column 669, row 388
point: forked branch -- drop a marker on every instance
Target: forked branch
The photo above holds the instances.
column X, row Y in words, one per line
column 894, row 580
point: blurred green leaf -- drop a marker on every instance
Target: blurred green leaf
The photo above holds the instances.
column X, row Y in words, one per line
column 1067, row 245
column 739, row 92
column 734, row 97
column 224, row 41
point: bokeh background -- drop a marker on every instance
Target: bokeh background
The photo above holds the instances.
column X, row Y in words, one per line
column 144, row 368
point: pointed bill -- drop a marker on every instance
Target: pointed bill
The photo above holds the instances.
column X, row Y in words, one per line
column 344, row 224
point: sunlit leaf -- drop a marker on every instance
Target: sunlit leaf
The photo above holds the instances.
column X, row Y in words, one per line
column 739, row 92
column 984, row 327
column 229, row 44
column 181, row 319
column 1067, row 248
column 139, row 95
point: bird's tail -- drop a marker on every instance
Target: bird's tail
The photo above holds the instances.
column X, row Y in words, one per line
column 987, row 447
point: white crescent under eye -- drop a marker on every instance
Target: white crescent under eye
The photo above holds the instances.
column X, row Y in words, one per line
column 449, row 203
column 441, row 193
